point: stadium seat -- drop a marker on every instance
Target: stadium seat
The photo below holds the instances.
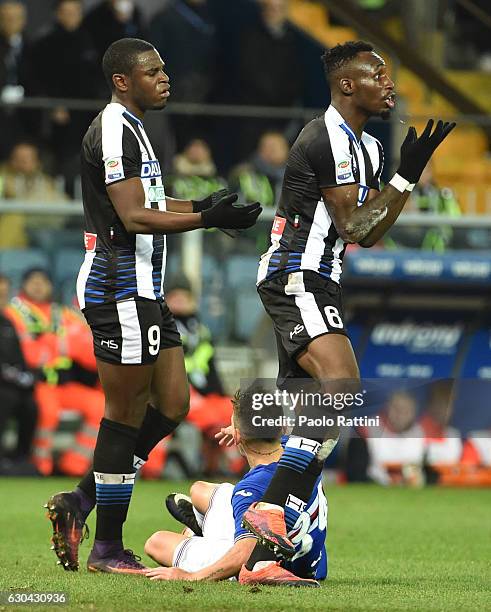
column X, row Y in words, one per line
column 50, row 240
column 67, row 292
column 241, row 271
column 172, row 266
column 14, row 262
column 173, row 269
column 248, row 311
column 212, row 313
column 66, row 265
column 209, row 268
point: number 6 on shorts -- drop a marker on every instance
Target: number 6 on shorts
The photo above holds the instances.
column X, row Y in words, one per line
column 333, row 317
column 154, row 340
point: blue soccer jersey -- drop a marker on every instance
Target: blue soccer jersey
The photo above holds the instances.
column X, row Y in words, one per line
column 309, row 533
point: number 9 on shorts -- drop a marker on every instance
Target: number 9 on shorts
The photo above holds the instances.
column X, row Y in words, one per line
column 132, row 332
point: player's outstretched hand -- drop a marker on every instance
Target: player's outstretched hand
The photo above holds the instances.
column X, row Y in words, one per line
column 209, row 201
column 416, row 151
column 227, row 436
column 168, row 573
column 225, row 215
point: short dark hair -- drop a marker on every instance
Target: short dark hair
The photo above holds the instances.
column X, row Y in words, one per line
column 121, row 57
column 244, row 413
column 31, row 271
column 338, row 56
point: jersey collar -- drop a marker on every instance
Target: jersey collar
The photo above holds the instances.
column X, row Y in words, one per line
column 127, row 112
column 335, row 116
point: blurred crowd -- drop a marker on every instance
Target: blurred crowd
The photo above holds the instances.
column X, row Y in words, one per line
column 210, row 55
column 48, row 376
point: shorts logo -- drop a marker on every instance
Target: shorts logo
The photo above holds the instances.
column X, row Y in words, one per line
column 344, row 170
column 111, row 344
column 296, row 330
column 150, row 169
column 244, row 493
column 90, row 241
column 278, row 226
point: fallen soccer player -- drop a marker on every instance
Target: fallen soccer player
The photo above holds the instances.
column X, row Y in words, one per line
column 215, row 545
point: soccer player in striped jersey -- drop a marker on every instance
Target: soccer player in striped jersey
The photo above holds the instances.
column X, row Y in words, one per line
column 331, row 197
column 120, row 291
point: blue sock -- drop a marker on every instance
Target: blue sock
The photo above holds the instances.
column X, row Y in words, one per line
column 297, row 471
column 113, row 496
column 298, row 453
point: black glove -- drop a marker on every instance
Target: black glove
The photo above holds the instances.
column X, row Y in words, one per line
column 209, row 201
column 416, row 152
column 225, row 215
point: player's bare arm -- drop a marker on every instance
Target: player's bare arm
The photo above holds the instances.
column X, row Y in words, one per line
column 229, row 565
column 128, row 199
column 366, row 224
column 355, row 223
column 393, row 212
column 178, row 206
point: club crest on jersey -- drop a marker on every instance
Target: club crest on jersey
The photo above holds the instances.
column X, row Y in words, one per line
column 344, row 170
column 150, row 169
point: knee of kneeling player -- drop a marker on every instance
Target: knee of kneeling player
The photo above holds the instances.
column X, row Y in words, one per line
column 199, row 493
column 154, row 544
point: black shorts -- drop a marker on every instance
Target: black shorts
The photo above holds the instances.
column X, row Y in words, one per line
column 132, row 332
column 303, row 306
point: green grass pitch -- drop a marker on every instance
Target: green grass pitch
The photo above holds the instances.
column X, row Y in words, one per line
column 389, row 549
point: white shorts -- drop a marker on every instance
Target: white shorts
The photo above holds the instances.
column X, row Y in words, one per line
column 198, row 552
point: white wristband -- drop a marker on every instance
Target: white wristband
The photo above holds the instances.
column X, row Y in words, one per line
column 400, row 183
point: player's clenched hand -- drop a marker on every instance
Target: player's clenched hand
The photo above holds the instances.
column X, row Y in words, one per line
column 227, row 436
column 225, row 214
column 416, row 151
column 168, row 573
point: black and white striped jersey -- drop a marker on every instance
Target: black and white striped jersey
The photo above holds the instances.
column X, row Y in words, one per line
column 326, row 153
column 118, row 265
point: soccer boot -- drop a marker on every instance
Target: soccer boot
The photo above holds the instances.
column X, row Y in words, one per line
column 120, row 562
column 69, row 528
column 267, row 522
column 275, row 575
column 181, row 508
